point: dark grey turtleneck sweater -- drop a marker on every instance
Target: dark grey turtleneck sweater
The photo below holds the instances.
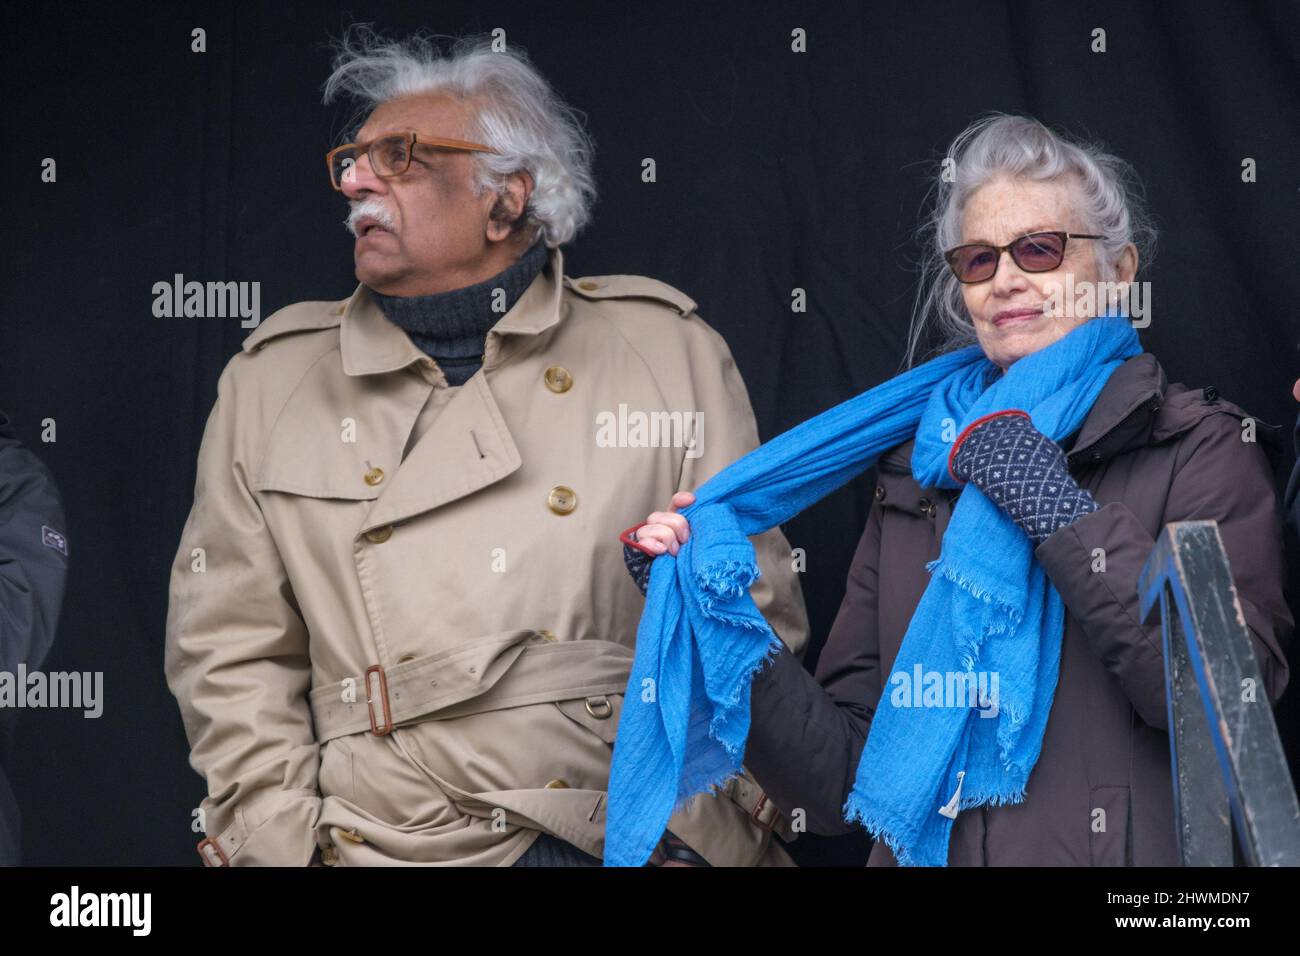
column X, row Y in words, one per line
column 452, row 327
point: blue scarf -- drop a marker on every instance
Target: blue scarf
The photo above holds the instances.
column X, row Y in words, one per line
column 988, row 606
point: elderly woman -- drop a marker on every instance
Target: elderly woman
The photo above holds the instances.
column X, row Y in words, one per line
column 1060, row 754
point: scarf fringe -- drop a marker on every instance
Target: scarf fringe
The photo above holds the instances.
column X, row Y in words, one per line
column 736, row 751
column 970, row 646
column 994, row 799
column 855, row 811
column 1008, row 736
column 722, row 582
column 1009, row 733
column 729, row 578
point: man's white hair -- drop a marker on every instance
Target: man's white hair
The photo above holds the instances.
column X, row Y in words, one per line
column 1107, row 198
column 516, row 112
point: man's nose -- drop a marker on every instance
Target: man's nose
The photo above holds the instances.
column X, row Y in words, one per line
column 361, row 180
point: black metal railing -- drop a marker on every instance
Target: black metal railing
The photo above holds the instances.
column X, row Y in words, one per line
column 1228, row 766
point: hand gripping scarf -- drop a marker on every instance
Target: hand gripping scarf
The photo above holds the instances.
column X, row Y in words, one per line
column 988, row 605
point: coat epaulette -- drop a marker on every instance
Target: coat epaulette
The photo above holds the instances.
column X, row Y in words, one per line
column 307, row 316
column 631, row 287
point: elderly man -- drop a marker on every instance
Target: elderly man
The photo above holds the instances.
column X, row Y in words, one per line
column 398, row 632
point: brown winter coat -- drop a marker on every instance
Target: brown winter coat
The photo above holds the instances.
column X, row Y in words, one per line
column 1150, row 453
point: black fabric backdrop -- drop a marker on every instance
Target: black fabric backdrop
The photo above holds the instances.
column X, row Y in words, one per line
column 775, row 170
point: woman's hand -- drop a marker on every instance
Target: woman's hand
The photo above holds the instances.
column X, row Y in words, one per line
column 666, row 531
column 1022, row 471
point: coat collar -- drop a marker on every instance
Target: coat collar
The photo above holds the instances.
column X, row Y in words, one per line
column 371, row 344
column 1121, row 416
column 1136, row 407
column 1139, row 407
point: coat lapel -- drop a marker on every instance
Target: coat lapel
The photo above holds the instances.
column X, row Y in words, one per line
column 468, row 446
column 1121, row 416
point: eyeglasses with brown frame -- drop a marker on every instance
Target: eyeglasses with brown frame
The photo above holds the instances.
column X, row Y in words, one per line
column 1036, row 252
column 390, row 155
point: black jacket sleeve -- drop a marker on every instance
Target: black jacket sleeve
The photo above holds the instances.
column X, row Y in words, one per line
column 1291, row 498
column 807, row 732
column 33, row 554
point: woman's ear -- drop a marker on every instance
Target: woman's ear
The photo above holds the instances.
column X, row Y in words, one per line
column 509, row 207
column 1126, row 266
column 1125, row 270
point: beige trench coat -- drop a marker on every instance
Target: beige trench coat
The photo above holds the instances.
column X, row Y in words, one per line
column 400, row 626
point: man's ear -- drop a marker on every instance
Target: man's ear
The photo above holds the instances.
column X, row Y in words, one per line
column 509, row 207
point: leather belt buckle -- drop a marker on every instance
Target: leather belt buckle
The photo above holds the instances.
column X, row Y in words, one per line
column 379, row 730
column 208, row 845
column 765, row 814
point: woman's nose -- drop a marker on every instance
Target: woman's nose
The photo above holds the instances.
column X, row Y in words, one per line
column 1009, row 276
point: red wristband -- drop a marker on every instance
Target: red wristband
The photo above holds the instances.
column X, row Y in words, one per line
column 626, row 538
column 952, row 454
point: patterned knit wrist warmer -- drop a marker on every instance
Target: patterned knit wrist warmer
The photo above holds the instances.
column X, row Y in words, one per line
column 1024, row 473
column 638, row 565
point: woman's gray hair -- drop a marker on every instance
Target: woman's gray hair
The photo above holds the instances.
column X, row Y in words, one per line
column 517, row 113
column 1109, row 202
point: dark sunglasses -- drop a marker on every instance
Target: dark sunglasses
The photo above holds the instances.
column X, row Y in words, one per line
column 1036, row 252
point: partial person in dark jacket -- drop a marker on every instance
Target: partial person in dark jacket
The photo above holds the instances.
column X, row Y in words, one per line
column 1291, row 499
column 33, row 565
column 1149, row 452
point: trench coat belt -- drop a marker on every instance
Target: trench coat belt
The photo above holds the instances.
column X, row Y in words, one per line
column 511, row 669
column 505, row 670
column 750, row 797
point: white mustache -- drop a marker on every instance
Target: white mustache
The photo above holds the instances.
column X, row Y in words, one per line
column 374, row 208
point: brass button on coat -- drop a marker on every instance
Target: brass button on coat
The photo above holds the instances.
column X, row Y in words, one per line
column 405, row 657
column 587, row 285
column 562, row 500
column 329, row 856
column 380, row 535
column 548, row 635
column 350, row 836
column 558, row 379
column 557, row 785
column 374, row 476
